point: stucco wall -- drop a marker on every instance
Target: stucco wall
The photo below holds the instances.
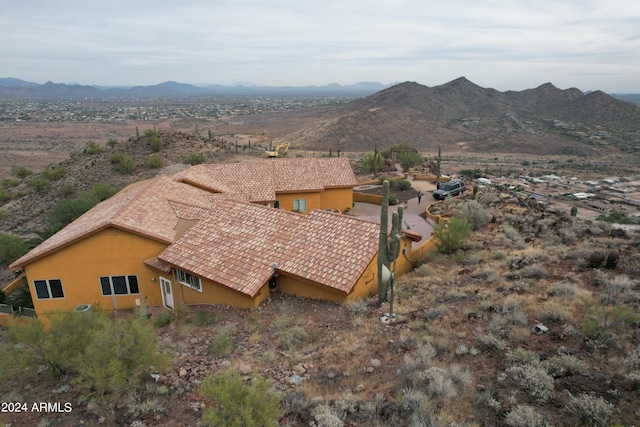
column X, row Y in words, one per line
column 110, row 252
column 215, row 293
column 333, row 198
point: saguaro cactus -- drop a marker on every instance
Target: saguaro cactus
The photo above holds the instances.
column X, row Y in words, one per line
column 383, row 242
column 388, row 243
column 438, row 160
column 395, row 237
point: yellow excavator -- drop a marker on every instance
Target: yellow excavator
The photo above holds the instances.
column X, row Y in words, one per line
column 279, row 151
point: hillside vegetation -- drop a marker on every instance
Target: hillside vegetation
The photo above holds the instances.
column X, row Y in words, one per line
column 533, row 322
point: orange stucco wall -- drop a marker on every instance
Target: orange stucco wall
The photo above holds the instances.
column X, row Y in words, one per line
column 333, row 198
column 337, row 199
column 110, row 252
column 215, row 293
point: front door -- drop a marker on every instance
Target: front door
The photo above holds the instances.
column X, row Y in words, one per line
column 167, row 295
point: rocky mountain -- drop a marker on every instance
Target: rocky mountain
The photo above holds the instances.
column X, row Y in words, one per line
column 470, row 117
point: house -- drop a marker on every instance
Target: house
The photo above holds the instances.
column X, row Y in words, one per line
column 211, row 235
column 294, row 184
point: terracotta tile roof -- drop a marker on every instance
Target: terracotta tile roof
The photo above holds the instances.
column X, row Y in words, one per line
column 237, row 245
column 156, row 264
column 145, row 208
column 261, row 180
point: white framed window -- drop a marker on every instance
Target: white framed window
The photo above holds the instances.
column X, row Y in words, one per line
column 48, row 289
column 300, row 205
column 189, row 280
column 119, row 285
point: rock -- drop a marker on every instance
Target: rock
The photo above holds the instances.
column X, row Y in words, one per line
column 182, row 373
column 300, row 369
column 295, row 379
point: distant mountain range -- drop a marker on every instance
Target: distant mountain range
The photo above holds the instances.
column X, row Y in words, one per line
column 542, row 120
column 12, row 88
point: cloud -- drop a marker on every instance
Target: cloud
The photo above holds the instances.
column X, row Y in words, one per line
column 502, row 43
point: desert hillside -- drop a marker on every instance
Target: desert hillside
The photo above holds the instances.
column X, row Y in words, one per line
column 533, row 321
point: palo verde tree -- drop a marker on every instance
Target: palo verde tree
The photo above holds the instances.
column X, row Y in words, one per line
column 388, row 243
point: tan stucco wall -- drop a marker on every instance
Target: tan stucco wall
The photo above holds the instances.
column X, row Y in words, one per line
column 333, row 198
column 215, row 293
column 110, row 252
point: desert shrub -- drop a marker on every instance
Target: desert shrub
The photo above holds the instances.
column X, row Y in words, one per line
column 21, row 172
column 67, row 210
column 498, row 255
column 194, row 159
column 294, row 337
column 450, row 237
column 408, row 159
column 491, row 342
column 534, row 271
column 524, row 416
column 9, row 183
column 40, row 184
column 564, row 365
column 155, row 162
column 632, row 361
column 630, row 265
column 326, row 416
column 102, row 191
column 99, row 355
column 111, row 143
column 205, row 318
column 474, row 214
column 153, row 139
column 5, row 196
column 592, row 328
column 590, row 410
column 238, row 404
column 438, row 383
column 222, row 342
column 66, row 189
column 162, row 319
column 117, row 355
column 91, row 147
column 123, row 163
column 11, row 248
column 521, row 356
column 54, row 174
column 403, row 185
column 534, row 381
column 551, row 311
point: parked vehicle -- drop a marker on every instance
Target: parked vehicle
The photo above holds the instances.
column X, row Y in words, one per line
column 455, row 187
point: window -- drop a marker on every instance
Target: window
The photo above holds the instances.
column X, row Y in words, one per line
column 119, row 285
column 47, row 289
column 187, row 279
column 300, row 205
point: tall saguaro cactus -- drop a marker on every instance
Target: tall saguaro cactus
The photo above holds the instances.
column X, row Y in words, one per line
column 383, row 242
column 388, row 243
column 438, row 160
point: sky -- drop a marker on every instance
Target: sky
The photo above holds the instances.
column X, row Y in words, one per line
column 502, row 44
